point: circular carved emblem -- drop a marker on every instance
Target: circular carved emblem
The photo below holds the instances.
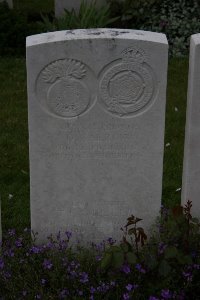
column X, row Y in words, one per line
column 127, row 87
column 62, row 88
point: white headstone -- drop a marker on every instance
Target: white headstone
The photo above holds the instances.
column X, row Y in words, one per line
column 191, row 165
column 61, row 5
column 96, row 127
column 10, row 2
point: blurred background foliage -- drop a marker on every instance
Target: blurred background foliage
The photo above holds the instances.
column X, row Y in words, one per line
column 177, row 19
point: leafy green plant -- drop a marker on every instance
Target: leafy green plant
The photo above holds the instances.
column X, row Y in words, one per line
column 88, row 16
column 177, row 19
column 128, row 250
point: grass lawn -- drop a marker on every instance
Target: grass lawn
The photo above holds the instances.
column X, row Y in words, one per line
column 14, row 166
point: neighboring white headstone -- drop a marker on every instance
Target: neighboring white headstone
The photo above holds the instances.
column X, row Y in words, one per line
column 96, row 128
column 191, row 165
column 10, row 2
column 61, row 5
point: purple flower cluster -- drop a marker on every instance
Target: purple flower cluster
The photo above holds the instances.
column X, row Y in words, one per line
column 63, row 293
column 47, row 264
column 129, row 291
column 126, row 269
column 83, row 277
column 166, row 294
column 77, row 280
column 161, row 248
column 140, row 268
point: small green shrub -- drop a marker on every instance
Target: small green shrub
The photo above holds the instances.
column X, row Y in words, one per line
column 177, row 19
column 14, row 27
column 88, row 16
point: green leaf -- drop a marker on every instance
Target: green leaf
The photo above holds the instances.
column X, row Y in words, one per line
column 125, row 247
column 115, row 248
column 131, row 258
column 171, row 252
column 151, row 262
column 184, row 259
column 106, row 261
column 117, row 259
column 164, row 268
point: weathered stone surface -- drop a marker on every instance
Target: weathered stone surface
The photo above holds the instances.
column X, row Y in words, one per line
column 61, row 5
column 96, row 127
column 10, row 2
column 191, row 165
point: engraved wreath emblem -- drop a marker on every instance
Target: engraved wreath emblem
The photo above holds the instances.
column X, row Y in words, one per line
column 128, row 85
column 63, row 84
column 67, row 87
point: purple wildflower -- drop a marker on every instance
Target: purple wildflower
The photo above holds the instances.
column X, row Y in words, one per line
column 24, row 293
column 166, row 294
column 111, row 241
column 153, row 298
column 99, row 247
column 98, row 257
column 43, row 281
column 58, row 236
column 126, row 296
column 35, row 250
column 112, row 283
column 1, row 264
column 18, row 243
column 64, row 293
column 83, row 277
column 63, row 245
column 161, row 248
column 7, row 275
column 196, row 267
column 68, row 234
column 92, row 290
column 129, row 287
column 126, row 269
column 91, row 297
column 9, row 253
column 188, row 275
column 38, row 296
column 11, row 232
column 50, row 245
column 103, row 288
column 47, row 264
column 140, row 269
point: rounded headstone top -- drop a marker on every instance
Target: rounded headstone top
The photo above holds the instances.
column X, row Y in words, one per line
column 100, row 33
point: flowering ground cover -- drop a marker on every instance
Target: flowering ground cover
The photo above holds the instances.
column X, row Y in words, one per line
column 163, row 265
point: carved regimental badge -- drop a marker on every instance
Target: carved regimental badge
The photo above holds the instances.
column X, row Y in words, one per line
column 62, row 88
column 127, row 86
